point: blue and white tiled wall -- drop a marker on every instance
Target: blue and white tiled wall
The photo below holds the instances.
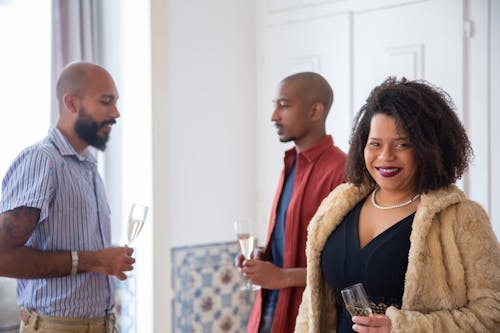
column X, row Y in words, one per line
column 207, row 292
column 206, row 287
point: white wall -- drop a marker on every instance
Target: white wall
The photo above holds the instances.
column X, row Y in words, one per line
column 161, row 194
column 210, row 117
column 481, row 103
column 203, row 94
column 494, row 114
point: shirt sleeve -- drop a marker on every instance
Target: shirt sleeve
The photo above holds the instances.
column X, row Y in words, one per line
column 28, row 182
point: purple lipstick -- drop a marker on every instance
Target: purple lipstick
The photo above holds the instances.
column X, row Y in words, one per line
column 388, row 171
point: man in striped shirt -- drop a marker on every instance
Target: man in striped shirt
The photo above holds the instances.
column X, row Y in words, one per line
column 54, row 217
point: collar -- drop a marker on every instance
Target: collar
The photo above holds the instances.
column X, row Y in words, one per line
column 312, row 153
column 65, row 148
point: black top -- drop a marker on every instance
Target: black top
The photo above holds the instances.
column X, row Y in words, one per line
column 380, row 265
column 277, row 242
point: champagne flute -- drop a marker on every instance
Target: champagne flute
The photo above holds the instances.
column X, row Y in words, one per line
column 246, row 241
column 136, row 220
column 356, row 300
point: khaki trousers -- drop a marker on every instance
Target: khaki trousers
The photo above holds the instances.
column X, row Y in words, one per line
column 32, row 322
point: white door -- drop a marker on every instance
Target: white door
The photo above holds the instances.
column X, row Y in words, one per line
column 355, row 45
column 419, row 40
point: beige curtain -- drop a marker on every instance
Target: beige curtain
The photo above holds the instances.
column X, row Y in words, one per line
column 75, row 32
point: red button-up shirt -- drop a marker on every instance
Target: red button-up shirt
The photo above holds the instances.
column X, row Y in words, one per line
column 319, row 170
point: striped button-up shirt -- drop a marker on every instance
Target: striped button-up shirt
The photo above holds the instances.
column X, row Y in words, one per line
column 74, row 215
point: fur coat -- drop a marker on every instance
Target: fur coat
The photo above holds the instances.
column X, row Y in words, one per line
column 452, row 282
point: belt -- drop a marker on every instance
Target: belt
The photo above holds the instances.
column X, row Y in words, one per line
column 38, row 319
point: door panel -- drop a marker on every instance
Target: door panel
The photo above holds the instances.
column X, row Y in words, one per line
column 417, row 40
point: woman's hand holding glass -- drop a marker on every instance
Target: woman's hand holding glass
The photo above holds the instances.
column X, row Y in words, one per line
column 373, row 323
column 356, row 300
column 358, row 304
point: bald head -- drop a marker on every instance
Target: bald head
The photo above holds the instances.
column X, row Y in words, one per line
column 75, row 78
column 313, row 88
column 87, row 97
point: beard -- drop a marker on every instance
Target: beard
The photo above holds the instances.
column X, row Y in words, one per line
column 87, row 129
column 283, row 137
column 287, row 139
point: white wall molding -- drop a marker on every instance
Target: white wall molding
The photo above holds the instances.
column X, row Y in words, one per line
column 413, row 55
column 284, row 12
column 306, row 62
column 477, row 98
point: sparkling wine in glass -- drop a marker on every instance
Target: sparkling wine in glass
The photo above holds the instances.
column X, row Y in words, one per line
column 356, row 300
column 136, row 220
column 246, row 241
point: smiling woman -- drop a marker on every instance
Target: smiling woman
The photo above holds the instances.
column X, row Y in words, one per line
column 401, row 227
column 25, row 79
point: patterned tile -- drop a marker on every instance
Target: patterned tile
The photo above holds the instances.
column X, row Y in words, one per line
column 206, row 285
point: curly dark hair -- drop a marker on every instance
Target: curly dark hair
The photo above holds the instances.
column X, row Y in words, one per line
column 427, row 114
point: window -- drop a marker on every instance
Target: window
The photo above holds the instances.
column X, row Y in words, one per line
column 25, row 75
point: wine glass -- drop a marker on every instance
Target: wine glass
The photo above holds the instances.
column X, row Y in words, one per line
column 246, row 241
column 136, row 220
column 356, row 300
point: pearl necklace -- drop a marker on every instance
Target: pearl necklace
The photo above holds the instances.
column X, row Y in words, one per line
column 393, row 206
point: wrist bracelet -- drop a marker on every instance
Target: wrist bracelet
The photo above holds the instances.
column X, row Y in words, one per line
column 74, row 262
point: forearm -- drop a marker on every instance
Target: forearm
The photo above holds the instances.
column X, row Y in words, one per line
column 294, row 277
column 27, row 263
column 270, row 276
column 20, row 261
column 102, row 261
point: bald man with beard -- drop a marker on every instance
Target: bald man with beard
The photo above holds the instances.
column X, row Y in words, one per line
column 312, row 169
column 55, row 233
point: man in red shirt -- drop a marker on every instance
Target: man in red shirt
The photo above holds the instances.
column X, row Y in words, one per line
column 312, row 169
